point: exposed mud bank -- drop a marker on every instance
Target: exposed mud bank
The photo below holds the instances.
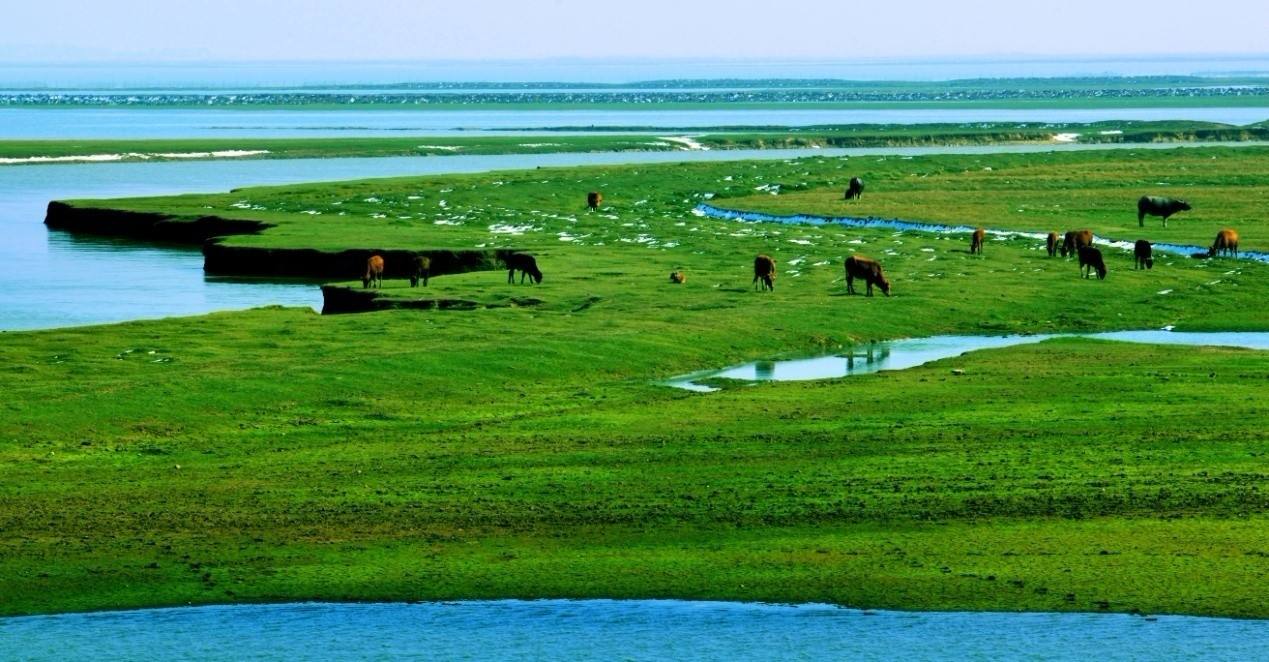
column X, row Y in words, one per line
column 340, row 299
column 142, row 225
column 223, row 260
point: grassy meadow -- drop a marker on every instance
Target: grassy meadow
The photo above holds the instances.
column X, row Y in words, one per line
column 528, row 451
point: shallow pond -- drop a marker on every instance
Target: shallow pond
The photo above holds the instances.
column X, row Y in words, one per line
column 912, row 352
column 611, row 629
column 50, row 279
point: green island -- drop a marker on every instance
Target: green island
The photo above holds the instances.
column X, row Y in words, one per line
column 525, row 448
column 622, row 139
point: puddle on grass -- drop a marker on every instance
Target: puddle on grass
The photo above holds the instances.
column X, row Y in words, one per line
column 912, row 352
column 940, row 228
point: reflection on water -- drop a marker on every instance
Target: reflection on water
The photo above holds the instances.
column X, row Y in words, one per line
column 912, row 352
column 621, row 630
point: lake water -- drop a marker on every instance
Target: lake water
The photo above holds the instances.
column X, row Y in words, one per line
column 66, row 123
column 617, row 630
column 912, row 352
column 50, row 279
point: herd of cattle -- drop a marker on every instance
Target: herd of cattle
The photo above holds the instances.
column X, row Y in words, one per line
column 1074, row 242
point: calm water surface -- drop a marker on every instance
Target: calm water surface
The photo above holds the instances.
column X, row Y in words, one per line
column 617, row 630
column 64, row 123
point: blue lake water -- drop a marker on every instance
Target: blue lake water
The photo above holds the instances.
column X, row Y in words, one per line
column 65, row 123
column 617, row 630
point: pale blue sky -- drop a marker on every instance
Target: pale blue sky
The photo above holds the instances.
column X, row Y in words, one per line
column 185, row 30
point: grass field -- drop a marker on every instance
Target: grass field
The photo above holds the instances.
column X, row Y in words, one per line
column 528, row 452
column 632, row 139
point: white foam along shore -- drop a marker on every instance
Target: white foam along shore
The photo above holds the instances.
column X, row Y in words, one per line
column 139, row 156
column 685, row 143
column 1066, row 137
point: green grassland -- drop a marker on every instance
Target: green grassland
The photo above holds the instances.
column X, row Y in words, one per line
column 276, row 454
column 615, row 139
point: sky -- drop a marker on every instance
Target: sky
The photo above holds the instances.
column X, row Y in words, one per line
column 176, row 31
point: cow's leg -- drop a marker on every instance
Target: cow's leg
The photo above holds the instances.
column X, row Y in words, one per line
column 869, row 290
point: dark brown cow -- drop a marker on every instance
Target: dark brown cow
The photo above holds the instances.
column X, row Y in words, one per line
column 594, row 199
column 1051, row 243
column 764, row 271
column 1226, row 243
column 526, row 264
column 976, row 242
column 374, row 272
column 1074, row 240
column 1091, row 259
column 858, row 266
column 678, row 277
column 422, row 270
column 1143, row 254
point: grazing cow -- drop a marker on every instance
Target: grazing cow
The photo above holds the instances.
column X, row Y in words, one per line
column 1143, row 252
column 1226, row 243
column 1051, row 243
column 1090, row 259
column 1151, row 205
column 374, row 272
column 1074, row 240
column 764, row 270
column 422, row 270
column 976, row 242
column 858, row 266
column 678, row 277
column 855, row 189
column 525, row 264
column 594, row 199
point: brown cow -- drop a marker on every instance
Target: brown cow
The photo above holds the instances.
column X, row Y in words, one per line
column 594, row 199
column 1226, row 243
column 1051, row 243
column 422, row 270
column 1074, row 240
column 1143, row 253
column 1090, row 259
column 976, row 243
column 764, row 270
column 374, row 272
column 678, row 277
column 858, row 266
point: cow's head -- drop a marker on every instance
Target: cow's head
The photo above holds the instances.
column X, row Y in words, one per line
column 884, row 285
column 1183, row 205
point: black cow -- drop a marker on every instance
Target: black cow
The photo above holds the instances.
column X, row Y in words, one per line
column 525, row 264
column 1151, row 205
column 1143, row 252
column 855, row 189
column 1090, row 259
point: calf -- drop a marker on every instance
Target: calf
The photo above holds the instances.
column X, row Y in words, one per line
column 374, row 272
column 764, row 272
column 678, row 277
column 1143, row 253
column 594, row 199
column 1151, row 205
column 422, row 270
column 1090, row 259
column 976, row 242
column 525, row 264
column 1051, row 243
column 858, row 266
